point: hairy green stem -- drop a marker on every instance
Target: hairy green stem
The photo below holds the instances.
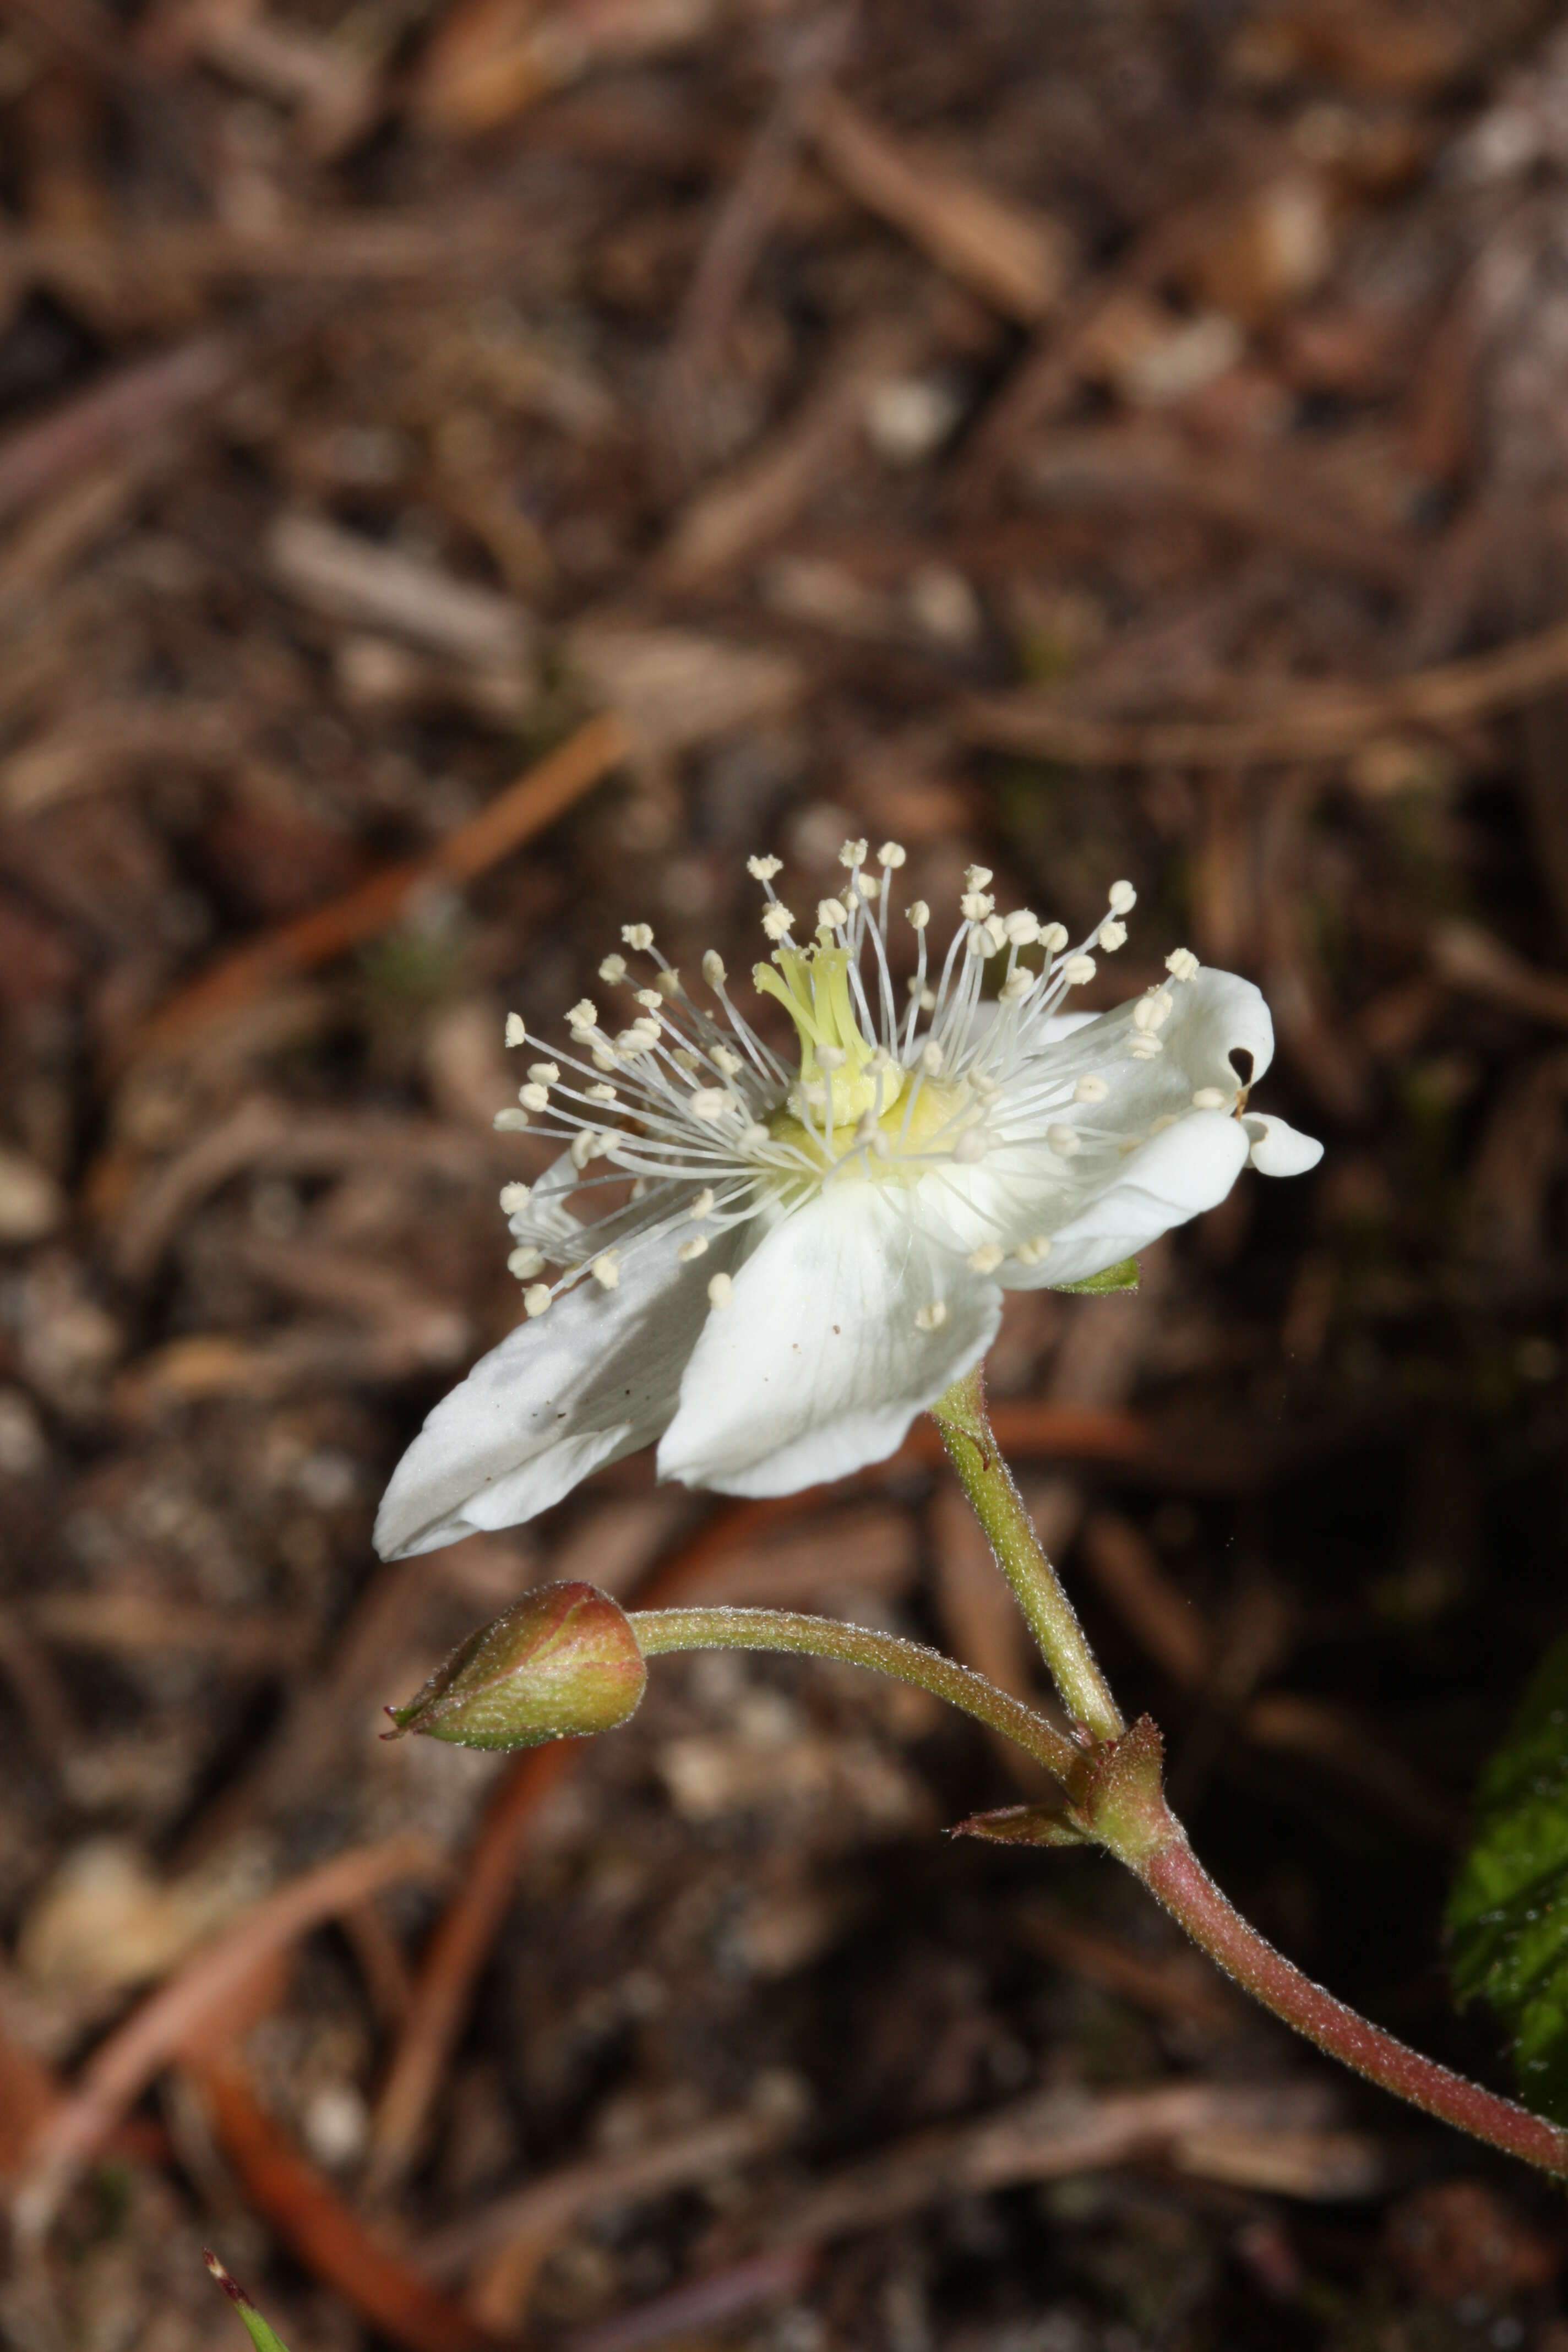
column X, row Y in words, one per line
column 661, row 1630
column 961, row 1416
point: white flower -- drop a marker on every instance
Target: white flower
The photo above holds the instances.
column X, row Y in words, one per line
column 860, row 1214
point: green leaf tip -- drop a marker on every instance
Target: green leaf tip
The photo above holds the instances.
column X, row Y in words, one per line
column 1508, row 1913
column 1109, row 1279
column 265, row 2339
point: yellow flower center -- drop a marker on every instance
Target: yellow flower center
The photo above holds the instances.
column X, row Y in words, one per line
column 842, row 1074
column 848, row 1085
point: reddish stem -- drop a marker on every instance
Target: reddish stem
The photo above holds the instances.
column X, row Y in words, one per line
column 1172, row 1873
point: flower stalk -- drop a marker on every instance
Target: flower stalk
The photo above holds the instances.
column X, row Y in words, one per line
column 1116, row 1798
column 661, row 1630
column 966, row 1432
column 1175, row 1877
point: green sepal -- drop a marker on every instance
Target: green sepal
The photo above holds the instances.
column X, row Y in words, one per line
column 265, row 2339
column 1101, row 1285
column 1024, row 1825
column 1508, row 1913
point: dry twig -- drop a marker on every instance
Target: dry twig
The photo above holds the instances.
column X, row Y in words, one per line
column 186, row 2007
column 523, row 809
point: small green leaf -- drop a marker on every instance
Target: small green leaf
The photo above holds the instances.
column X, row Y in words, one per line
column 1508, row 1915
column 265, row 2339
column 1100, row 1286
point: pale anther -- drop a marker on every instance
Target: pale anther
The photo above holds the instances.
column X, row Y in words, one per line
column 1090, row 1089
column 1017, row 984
column 777, row 920
column 713, row 967
column 1030, row 1253
column 930, row 1058
column 987, row 1088
column 544, row 1074
column 752, row 1134
column 695, row 1248
column 537, row 1300
column 996, row 930
column 515, row 1032
column 1022, row 929
column 612, row 970
column 602, row 1093
column 975, row 877
column 668, row 985
column 1063, row 1141
column 919, row 914
column 709, row 1103
column 854, row 852
column 524, row 1262
column 762, row 870
column 931, row 1317
column 892, row 855
column 509, row 1122
column 1111, row 934
column 975, row 905
column 720, row 1290
column 651, row 998
column 985, row 1259
column 1054, row 938
column 639, row 936
column 581, row 1149
column 685, row 1059
column 868, row 887
column 1123, row 898
column 731, row 1064
column 534, row 1098
column 1079, row 970
column 514, row 1198
column 1149, row 1012
column 971, row 1145
column 1208, row 1098
column 831, row 1057
column 831, row 912
column 703, row 1204
column 1182, row 964
column 606, row 1271
column 1167, row 1118
column 584, row 1013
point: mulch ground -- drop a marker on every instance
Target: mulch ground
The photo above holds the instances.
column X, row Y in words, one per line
column 470, row 474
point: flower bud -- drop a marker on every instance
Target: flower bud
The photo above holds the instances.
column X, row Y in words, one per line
column 560, row 1663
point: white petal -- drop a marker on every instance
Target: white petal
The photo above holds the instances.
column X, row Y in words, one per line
column 1176, row 1175
column 1279, row 1149
column 819, row 1365
column 1216, row 1036
column 593, row 1378
column 1219, row 1031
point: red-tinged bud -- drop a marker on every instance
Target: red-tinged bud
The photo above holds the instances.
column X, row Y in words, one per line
column 559, row 1663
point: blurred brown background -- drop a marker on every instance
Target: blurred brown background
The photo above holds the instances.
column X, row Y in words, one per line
column 469, row 473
